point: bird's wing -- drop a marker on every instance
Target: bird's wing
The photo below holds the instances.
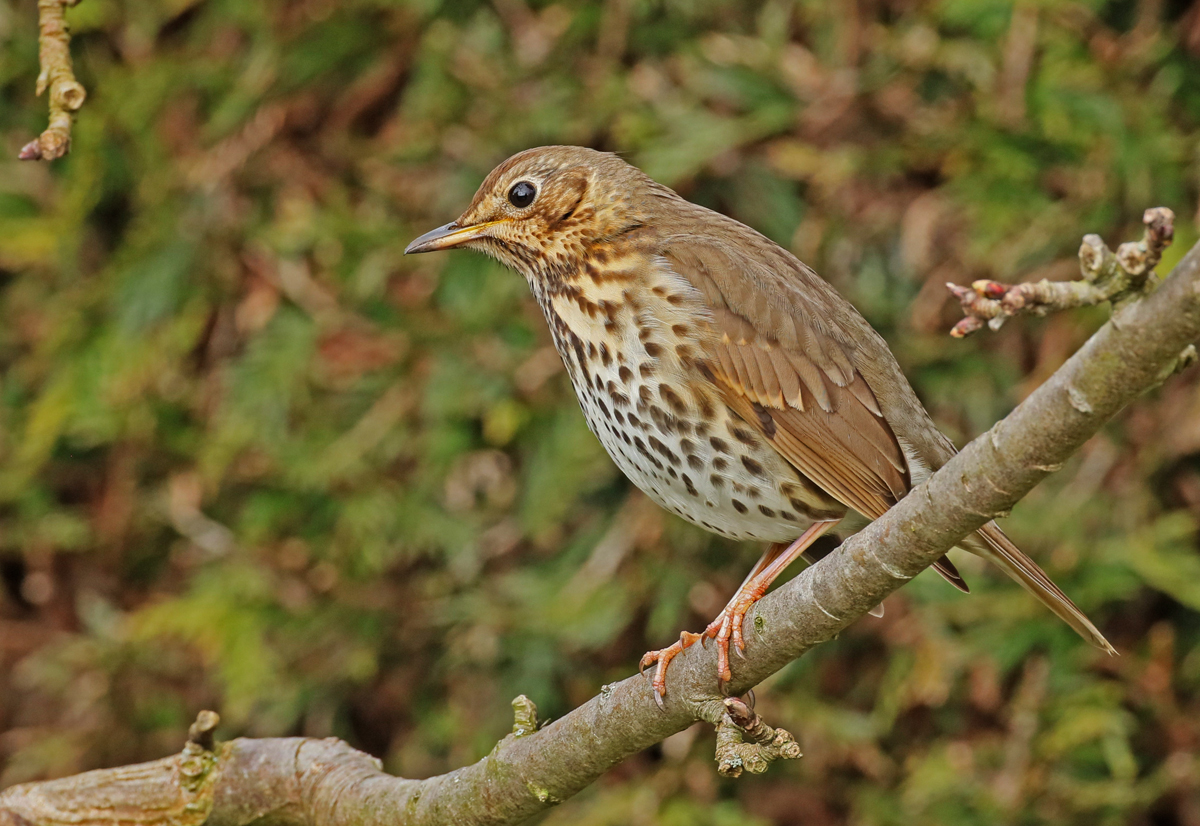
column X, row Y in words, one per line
column 799, row 387
column 789, row 373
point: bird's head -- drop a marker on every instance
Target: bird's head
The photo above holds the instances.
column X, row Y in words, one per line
column 540, row 211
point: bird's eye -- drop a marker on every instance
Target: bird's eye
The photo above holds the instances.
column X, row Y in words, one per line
column 522, row 194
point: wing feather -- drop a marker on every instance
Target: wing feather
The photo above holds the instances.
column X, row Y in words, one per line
column 794, row 382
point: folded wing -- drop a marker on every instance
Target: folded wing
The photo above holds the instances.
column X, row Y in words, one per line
column 790, row 376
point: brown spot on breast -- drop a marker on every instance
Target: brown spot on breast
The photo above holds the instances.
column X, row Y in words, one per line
column 719, row 445
column 767, row 512
column 580, row 356
column 754, row 467
column 742, row 435
column 646, row 369
column 625, row 374
column 667, row 453
column 653, row 349
column 740, row 507
column 662, row 419
column 642, row 449
column 672, row 399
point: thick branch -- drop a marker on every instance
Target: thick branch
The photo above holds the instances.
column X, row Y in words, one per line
column 304, row 781
column 57, row 75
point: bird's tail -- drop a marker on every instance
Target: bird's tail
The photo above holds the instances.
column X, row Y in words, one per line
column 991, row 543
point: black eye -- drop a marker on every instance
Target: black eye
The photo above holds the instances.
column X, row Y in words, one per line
column 522, row 194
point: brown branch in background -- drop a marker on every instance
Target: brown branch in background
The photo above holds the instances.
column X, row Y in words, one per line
column 1106, row 277
column 57, row 76
column 310, row 782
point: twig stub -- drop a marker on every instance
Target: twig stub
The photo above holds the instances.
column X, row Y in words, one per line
column 746, row 743
column 525, row 719
column 200, row 733
column 58, row 77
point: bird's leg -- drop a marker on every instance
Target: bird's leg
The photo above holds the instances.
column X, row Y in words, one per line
column 753, row 590
column 662, row 657
column 728, row 623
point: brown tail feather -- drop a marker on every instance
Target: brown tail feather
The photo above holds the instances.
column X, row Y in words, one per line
column 994, row 546
column 949, row 573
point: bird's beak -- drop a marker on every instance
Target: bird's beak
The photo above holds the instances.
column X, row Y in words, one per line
column 448, row 237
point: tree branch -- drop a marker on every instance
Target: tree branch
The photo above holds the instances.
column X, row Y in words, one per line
column 1106, row 277
column 57, row 75
column 325, row 782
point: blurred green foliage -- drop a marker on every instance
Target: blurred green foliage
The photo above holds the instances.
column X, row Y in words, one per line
column 253, row 459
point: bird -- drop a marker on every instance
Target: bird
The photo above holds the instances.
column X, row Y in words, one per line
column 725, row 378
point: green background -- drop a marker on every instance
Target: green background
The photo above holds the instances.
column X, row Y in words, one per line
column 253, row 459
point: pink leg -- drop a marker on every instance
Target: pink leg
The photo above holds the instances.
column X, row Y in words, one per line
column 728, row 624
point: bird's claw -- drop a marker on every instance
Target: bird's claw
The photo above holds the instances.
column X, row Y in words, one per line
column 658, row 699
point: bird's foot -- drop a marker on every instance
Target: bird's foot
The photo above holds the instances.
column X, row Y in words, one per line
column 726, row 629
column 730, row 630
column 662, row 657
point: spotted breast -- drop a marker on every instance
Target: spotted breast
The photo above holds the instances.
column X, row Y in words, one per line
column 629, row 338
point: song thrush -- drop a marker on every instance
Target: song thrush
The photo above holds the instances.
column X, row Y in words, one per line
column 724, row 377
